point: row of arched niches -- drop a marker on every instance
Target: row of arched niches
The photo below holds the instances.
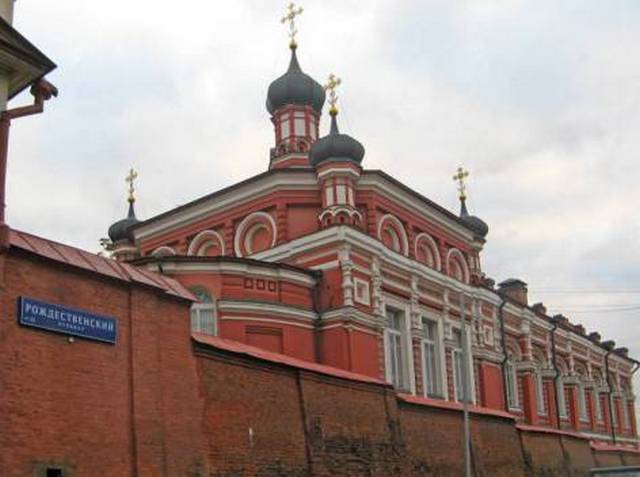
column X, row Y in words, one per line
column 258, row 231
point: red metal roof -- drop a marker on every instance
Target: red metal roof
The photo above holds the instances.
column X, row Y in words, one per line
column 96, row 264
column 252, row 351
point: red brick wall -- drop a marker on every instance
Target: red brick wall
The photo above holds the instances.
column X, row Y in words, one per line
column 73, row 405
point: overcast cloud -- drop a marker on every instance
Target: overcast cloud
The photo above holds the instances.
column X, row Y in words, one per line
column 538, row 99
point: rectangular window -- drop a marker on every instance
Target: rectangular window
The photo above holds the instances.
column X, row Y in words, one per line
column 457, row 359
column 625, row 413
column 329, row 194
column 203, row 318
column 562, row 407
column 512, row 385
column 582, row 403
column 431, row 358
column 540, row 393
column 598, row 402
column 341, row 194
column 396, row 352
column 285, row 130
column 300, row 127
column 614, row 411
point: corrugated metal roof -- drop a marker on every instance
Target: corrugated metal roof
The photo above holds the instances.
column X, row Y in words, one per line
column 96, row 264
column 252, row 351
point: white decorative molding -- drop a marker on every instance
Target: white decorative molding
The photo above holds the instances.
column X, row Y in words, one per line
column 423, row 236
column 399, row 228
column 240, row 229
column 454, row 252
column 163, row 251
column 202, row 238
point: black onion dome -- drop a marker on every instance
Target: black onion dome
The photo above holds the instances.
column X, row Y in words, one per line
column 295, row 87
column 479, row 226
column 121, row 229
column 336, row 147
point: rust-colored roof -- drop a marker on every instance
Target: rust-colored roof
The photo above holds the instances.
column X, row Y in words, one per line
column 91, row 262
column 258, row 353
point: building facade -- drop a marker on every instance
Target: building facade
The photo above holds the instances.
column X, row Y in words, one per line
column 323, row 260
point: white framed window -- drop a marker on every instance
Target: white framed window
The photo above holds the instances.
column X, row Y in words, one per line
column 625, row 413
column 285, row 128
column 203, row 313
column 598, row 403
column 396, row 353
column 562, row 404
column 458, row 363
column 511, row 381
column 582, row 403
column 362, row 294
column 540, row 392
column 431, row 359
column 614, row 411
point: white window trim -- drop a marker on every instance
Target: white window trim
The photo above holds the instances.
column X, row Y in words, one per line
column 598, row 405
column 561, row 401
column 540, row 392
column 513, row 393
column 366, row 298
column 198, row 308
column 583, row 412
column 439, row 355
column 472, row 379
column 402, row 306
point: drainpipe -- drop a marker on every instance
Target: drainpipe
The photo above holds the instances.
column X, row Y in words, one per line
column 556, row 376
column 42, row 91
column 504, row 351
column 609, row 392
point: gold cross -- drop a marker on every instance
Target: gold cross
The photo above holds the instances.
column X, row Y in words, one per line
column 290, row 16
column 459, row 177
column 332, row 83
column 132, row 176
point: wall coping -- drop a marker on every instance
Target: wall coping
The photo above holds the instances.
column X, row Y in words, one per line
column 454, row 406
column 611, row 448
column 551, row 430
column 239, row 348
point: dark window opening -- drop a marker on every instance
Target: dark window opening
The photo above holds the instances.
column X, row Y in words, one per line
column 54, row 472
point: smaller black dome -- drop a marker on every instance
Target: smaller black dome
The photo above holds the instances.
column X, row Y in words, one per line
column 121, row 230
column 336, row 146
column 479, row 226
column 295, row 87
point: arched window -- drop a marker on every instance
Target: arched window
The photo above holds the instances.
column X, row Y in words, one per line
column 598, row 383
column 203, row 312
column 511, row 375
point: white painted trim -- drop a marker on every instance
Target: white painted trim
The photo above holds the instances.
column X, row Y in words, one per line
column 405, row 307
column 367, row 299
column 434, row 248
column 265, row 307
column 465, row 266
column 266, row 320
column 158, row 252
column 242, row 269
column 201, row 238
column 400, row 226
column 240, row 229
column 338, row 171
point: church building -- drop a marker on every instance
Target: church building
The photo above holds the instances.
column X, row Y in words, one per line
column 318, row 318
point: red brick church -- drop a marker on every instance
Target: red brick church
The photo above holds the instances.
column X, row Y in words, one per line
column 318, row 318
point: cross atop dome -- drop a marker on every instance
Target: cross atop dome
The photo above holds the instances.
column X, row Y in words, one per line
column 131, row 177
column 292, row 12
column 332, row 83
column 459, row 177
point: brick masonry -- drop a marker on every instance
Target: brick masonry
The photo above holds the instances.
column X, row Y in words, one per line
column 160, row 404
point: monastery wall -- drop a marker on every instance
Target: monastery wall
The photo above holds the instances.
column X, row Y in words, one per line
column 90, row 408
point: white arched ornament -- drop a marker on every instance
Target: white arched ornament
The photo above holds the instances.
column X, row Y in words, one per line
column 203, row 238
column 429, row 242
column 163, row 251
column 398, row 228
column 248, row 223
column 457, row 255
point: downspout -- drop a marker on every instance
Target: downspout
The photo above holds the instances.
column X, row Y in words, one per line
column 504, row 351
column 41, row 90
column 611, row 423
column 556, row 376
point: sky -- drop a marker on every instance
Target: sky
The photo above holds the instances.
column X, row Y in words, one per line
column 538, row 99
